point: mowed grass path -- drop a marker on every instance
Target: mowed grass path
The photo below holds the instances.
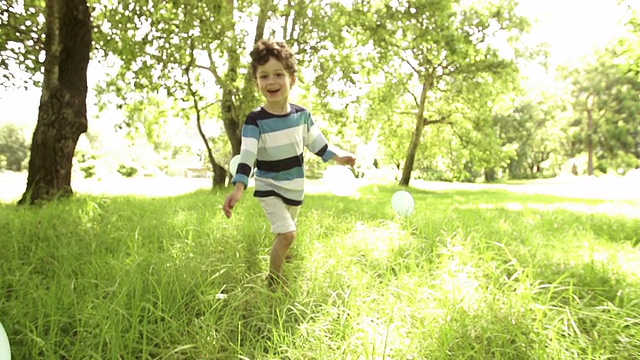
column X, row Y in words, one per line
column 470, row 275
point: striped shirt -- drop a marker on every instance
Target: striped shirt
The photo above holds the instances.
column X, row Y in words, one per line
column 275, row 144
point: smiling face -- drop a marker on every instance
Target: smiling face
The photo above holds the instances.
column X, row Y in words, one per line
column 275, row 83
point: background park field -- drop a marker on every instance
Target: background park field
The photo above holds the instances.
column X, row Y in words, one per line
column 483, row 273
column 515, row 124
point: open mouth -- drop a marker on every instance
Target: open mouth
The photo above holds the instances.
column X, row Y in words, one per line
column 273, row 91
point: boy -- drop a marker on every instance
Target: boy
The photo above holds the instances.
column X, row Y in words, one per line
column 275, row 135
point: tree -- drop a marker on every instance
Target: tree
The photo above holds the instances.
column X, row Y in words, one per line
column 182, row 47
column 21, row 42
column 532, row 132
column 62, row 116
column 13, row 148
column 197, row 52
column 607, row 105
column 606, row 101
column 433, row 44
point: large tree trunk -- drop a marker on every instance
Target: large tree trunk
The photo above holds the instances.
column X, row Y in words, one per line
column 62, row 116
column 232, row 120
column 417, row 135
column 234, row 108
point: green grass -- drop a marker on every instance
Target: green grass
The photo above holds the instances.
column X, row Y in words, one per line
column 471, row 275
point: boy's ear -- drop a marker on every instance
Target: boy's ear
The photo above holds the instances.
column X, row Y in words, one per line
column 293, row 80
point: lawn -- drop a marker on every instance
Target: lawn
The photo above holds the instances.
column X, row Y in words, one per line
column 483, row 274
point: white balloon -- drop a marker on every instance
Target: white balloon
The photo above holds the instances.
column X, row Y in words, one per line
column 5, row 349
column 340, row 180
column 402, row 203
column 233, row 164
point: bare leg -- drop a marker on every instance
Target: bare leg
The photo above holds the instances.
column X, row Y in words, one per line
column 279, row 252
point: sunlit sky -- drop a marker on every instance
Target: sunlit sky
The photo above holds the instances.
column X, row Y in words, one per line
column 571, row 27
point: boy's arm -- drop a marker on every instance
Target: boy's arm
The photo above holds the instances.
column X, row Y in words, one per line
column 318, row 144
column 239, row 188
column 233, row 198
column 347, row 159
column 248, row 153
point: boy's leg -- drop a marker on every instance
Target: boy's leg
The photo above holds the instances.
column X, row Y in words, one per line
column 279, row 251
column 282, row 218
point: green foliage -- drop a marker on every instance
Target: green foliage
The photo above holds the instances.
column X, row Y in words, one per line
column 443, row 64
column 191, row 52
column 155, row 59
column 147, row 119
column 127, row 171
column 87, row 163
column 458, row 50
column 21, row 42
column 620, row 163
column 532, row 133
column 608, row 88
column 101, row 155
column 446, row 156
column 474, row 275
column 13, row 147
column 363, row 74
column 89, row 171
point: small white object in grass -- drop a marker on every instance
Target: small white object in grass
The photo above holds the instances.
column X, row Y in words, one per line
column 5, row 349
column 402, row 203
column 340, row 180
column 233, row 164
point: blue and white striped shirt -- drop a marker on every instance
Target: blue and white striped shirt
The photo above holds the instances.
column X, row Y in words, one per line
column 275, row 143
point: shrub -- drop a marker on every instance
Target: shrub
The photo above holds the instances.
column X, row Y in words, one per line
column 127, row 171
column 13, row 147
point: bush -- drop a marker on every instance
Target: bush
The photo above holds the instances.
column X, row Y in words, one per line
column 89, row 171
column 13, row 148
column 127, row 171
column 619, row 164
column 85, row 162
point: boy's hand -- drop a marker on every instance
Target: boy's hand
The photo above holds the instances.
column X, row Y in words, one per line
column 231, row 201
column 345, row 159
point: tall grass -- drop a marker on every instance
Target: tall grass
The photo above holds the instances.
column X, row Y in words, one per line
column 471, row 275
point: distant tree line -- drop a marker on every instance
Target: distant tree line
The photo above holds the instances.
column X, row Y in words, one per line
column 435, row 85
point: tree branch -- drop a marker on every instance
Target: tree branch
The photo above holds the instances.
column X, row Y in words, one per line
column 265, row 8
column 415, row 98
column 411, row 65
column 196, row 106
column 442, row 120
column 412, row 113
column 212, row 68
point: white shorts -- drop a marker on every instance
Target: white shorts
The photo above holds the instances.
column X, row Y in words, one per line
column 281, row 216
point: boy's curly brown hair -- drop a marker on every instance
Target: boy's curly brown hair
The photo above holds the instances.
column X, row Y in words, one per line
column 265, row 49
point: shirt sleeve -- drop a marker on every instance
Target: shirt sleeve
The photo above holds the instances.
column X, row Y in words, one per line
column 316, row 142
column 248, row 151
